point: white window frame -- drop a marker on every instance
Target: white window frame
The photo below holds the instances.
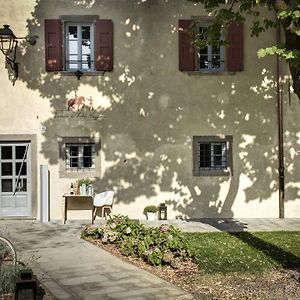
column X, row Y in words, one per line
column 79, row 46
column 210, row 68
column 80, row 157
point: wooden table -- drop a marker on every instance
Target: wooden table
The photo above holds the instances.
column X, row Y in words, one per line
column 68, row 197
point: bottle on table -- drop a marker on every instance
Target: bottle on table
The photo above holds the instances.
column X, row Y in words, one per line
column 72, row 189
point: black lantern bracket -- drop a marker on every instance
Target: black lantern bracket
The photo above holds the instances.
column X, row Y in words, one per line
column 8, row 46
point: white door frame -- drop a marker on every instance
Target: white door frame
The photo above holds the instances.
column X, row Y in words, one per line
column 17, row 199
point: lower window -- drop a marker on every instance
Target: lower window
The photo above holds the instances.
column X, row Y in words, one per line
column 212, row 155
column 80, row 157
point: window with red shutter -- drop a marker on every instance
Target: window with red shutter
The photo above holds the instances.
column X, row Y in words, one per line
column 87, row 44
column 212, row 58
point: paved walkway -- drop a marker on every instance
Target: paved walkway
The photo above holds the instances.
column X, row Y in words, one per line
column 71, row 268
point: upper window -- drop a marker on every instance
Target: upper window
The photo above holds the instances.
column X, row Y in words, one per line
column 83, row 43
column 212, row 155
column 210, row 59
column 80, row 47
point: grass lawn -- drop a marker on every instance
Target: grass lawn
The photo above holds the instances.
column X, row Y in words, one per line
column 245, row 252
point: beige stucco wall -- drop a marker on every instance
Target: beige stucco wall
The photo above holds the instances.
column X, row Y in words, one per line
column 151, row 112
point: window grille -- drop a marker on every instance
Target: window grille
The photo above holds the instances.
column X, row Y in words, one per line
column 212, row 156
column 80, row 157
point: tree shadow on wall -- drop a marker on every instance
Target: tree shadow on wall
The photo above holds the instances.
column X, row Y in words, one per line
column 151, row 111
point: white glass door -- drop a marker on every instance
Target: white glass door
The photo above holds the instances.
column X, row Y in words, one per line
column 15, row 179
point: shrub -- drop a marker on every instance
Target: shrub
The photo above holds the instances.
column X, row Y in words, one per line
column 8, row 270
column 163, row 245
column 85, row 181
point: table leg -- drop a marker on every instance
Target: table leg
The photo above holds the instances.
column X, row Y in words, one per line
column 66, row 209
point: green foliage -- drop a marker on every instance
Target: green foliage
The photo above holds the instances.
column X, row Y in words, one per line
column 85, row 181
column 163, row 245
column 290, row 56
column 245, row 252
column 8, row 271
column 288, row 18
column 150, row 208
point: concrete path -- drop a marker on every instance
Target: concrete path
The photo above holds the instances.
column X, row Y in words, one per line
column 232, row 225
column 70, row 268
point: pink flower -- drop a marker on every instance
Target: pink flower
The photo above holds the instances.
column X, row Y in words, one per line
column 164, row 228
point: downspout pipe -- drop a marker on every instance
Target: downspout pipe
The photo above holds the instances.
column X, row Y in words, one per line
column 280, row 130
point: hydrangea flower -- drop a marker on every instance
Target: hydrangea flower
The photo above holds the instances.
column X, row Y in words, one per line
column 112, row 225
column 164, row 228
column 128, row 230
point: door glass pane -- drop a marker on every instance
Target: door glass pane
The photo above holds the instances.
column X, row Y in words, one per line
column 72, row 32
column 6, row 152
column 86, row 32
column 24, row 184
column 24, row 169
column 7, row 185
column 20, row 151
column 73, row 49
column 86, row 47
column 21, row 185
column 6, row 169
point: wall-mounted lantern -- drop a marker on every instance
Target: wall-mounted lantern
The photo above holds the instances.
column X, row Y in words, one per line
column 162, row 211
column 26, row 286
column 8, row 46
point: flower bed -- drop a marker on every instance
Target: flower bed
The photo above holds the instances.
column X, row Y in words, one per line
column 158, row 246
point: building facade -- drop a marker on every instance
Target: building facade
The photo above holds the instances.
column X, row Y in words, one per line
column 114, row 91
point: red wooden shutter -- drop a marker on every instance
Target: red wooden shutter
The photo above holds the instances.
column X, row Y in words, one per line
column 104, row 45
column 53, row 44
column 235, row 51
column 186, row 47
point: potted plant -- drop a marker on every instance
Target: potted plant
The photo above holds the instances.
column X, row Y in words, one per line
column 83, row 183
column 150, row 211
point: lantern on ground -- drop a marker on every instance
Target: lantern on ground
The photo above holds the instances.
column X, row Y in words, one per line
column 162, row 211
column 26, row 286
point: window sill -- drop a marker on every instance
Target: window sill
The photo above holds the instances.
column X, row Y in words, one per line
column 200, row 173
column 209, row 73
column 86, row 73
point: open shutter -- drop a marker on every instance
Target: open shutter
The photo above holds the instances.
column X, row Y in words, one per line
column 186, row 47
column 104, row 45
column 53, row 45
column 235, row 50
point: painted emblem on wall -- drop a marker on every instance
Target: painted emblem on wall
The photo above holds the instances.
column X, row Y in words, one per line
column 79, row 103
column 79, row 107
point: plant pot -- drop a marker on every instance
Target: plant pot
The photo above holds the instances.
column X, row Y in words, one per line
column 151, row 216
